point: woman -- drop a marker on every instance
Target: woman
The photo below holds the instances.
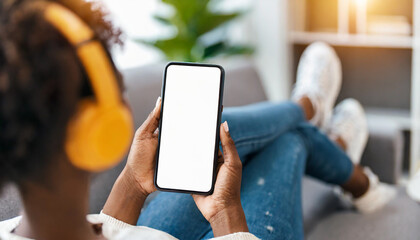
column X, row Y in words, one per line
column 42, row 81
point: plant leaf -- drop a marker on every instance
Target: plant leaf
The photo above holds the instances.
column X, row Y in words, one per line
column 175, row 49
column 238, row 50
column 214, row 49
column 211, row 21
column 222, row 48
column 163, row 20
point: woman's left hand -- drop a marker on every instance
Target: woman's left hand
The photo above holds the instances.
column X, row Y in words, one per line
column 135, row 182
column 141, row 159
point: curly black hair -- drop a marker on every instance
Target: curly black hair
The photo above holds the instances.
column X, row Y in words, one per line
column 41, row 83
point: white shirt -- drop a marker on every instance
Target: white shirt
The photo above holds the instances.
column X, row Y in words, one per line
column 114, row 229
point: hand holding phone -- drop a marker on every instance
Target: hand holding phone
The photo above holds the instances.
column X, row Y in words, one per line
column 141, row 159
column 135, row 182
column 223, row 208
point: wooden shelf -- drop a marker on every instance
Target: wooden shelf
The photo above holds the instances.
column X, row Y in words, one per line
column 353, row 40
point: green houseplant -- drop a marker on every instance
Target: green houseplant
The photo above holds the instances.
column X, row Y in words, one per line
column 198, row 36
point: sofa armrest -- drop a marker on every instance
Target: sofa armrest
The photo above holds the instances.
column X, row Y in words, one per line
column 384, row 151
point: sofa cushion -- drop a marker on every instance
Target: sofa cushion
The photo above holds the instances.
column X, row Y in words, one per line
column 398, row 220
column 318, row 202
column 385, row 148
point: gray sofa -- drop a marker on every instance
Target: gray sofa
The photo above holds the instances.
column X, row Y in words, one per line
column 324, row 216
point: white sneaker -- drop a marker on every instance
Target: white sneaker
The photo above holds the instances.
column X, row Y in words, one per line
column 319, row 78
column 378, row 195
column 349, row 123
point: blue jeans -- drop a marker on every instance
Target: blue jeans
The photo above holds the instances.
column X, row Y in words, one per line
column 277, row 147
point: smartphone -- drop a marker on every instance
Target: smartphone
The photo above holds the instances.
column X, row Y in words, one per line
column 192, row 98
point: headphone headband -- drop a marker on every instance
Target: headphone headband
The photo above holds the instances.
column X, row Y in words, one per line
column 90, row 51
column 101, row 130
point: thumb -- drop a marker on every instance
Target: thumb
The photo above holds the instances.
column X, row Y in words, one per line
column 152, row 122
column 229, row 150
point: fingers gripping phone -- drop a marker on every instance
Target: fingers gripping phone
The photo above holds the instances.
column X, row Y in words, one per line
column 192, row 96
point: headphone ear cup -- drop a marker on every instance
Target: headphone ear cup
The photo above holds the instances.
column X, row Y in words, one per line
column 111, row 137
column 98, row 138
column 76, row 148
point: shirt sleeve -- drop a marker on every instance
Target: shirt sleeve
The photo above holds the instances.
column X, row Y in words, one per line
column 122, row 225
column 121, row 230
column 238, row 236
column 114, row 222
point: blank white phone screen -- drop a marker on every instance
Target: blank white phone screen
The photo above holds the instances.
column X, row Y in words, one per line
column 189, row 123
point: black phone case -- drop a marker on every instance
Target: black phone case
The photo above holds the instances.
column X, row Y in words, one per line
column 219, row 115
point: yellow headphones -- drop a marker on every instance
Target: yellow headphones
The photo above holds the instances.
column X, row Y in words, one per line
column 101, row 132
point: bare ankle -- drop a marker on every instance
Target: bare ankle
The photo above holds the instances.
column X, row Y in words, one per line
column 307, row 107
column 358, row 184
column 340, row 142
